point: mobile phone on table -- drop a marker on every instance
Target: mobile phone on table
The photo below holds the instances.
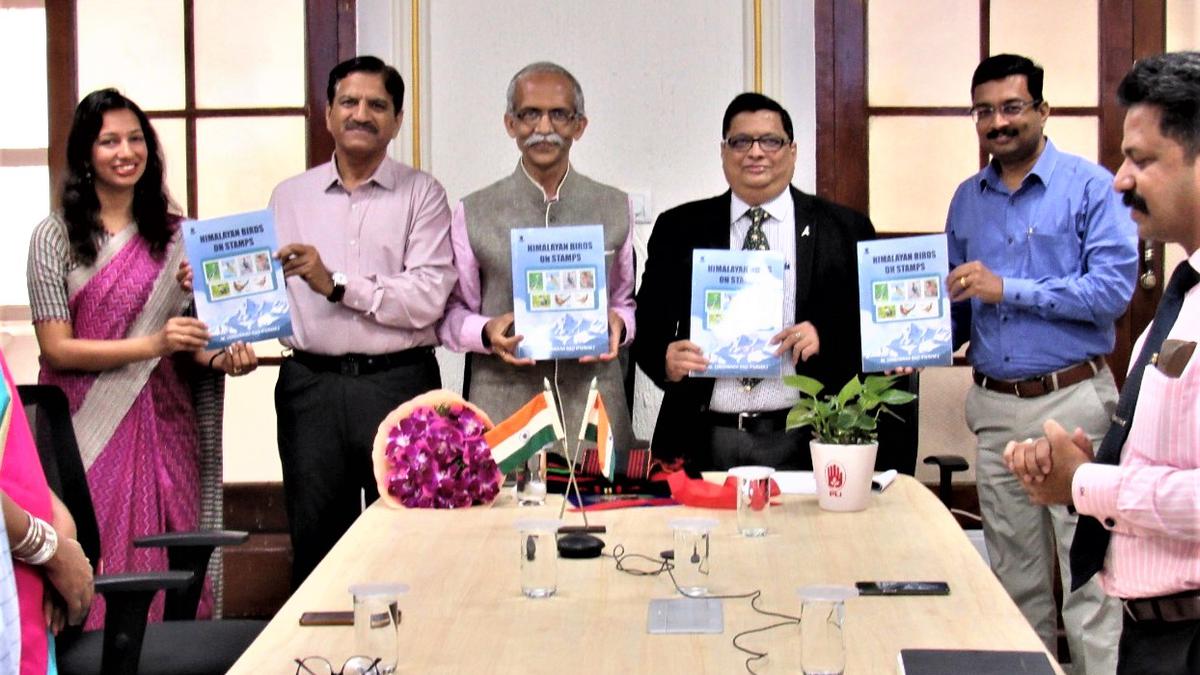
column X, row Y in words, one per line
column 327, row 619
column 903, row 588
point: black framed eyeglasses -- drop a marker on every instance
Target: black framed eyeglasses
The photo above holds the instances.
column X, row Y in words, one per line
column 984, row 113
column 743, row 143
column 355, row 665
column 558, row 116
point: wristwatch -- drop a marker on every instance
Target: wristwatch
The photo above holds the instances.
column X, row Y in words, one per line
column 339, row 287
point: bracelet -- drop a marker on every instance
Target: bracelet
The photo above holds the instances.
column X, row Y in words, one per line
column 213, row 359
column 39, row 544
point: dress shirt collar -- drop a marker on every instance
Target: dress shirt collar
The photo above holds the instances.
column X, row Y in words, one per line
column 384, row 176
column 1042, row 169
column 777, row 208
column 558, row 191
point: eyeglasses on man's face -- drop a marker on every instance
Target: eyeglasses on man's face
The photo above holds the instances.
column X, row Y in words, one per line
column 355, row 665
column 558, row 116
column 743, row 143
column 985, row 113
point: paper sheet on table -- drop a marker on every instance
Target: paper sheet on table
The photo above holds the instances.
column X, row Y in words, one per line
column 803, row 482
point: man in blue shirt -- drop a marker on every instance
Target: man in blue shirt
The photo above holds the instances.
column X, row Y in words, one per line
column 1043, row 258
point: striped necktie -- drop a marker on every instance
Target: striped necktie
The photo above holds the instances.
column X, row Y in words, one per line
column 756, row 240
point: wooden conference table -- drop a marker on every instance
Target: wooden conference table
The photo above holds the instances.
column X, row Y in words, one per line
column 465, row 612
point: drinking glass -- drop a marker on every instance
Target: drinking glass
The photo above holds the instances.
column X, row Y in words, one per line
column 539, row 556
column 753, row 499
column 377, row 622
column 822, row 614
column 692, row 548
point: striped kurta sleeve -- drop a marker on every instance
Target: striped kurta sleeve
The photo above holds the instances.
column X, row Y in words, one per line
column 46, row 272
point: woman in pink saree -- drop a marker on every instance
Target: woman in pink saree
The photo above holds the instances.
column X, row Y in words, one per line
column 110, row 321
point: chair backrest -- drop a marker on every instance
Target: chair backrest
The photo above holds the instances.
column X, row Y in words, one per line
column 49, row 416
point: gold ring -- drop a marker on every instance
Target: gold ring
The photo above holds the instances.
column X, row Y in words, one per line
column 962, row 281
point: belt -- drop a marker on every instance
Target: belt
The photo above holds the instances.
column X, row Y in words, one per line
column 763, row 422
column 1183, row 606
column 1041, row 385
column 362, row 364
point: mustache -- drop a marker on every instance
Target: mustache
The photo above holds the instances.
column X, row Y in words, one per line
column 997, row 133
column 1134, row 201
column 351, row 125
column 536, row 138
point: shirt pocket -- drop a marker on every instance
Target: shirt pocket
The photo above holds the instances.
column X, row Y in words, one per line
column 1167, row 415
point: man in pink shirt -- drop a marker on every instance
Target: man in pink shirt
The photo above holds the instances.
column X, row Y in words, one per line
column 1140, row 490
column 545, row 116
column 369, row 267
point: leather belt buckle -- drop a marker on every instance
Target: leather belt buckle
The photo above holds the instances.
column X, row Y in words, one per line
column 741, row 420
column 348, row 366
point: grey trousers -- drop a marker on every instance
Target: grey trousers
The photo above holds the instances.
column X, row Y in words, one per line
column 1022, row 537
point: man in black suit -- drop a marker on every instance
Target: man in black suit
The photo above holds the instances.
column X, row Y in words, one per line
column 719, row 423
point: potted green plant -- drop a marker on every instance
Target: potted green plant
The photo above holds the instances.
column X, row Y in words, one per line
column 845, row 434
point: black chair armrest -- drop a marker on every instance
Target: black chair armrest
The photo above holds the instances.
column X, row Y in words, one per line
column 947, row 466
column 137, row 582
column 189, row 551
column 209, row 538
column 127, row 597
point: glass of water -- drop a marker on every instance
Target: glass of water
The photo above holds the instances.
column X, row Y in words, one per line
column 692, row 549
column 377, row 622
column 539, row 556
column 822, row 615
column 753, row 499
column 531, row 481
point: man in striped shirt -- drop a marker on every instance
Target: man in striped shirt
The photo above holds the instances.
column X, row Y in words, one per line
column 1141, row 487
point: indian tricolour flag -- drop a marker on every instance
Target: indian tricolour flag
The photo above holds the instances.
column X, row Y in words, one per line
column 595, row 431
column 530, row 429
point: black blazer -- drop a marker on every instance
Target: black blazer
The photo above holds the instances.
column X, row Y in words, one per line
column 826, row 295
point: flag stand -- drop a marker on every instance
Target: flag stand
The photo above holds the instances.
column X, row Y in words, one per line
column 575, row 541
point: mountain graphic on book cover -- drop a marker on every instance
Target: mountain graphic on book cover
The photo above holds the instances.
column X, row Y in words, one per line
column 915, row 340
column 254, row 316
column 747, row 349
column 570, row 329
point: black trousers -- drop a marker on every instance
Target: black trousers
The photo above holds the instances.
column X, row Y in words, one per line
column 1159, row 648
column 785, row 450
column 326, row 428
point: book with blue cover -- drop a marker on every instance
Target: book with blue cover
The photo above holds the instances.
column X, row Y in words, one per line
column 560, row 291
column 737, row 307
column 238, row 283
column 904, row 309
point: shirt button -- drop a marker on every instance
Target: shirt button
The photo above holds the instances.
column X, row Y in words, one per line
column 1109, row 522
column 353, row 242
column 1007, row 359
column 1010, row 240
column 1004, row 318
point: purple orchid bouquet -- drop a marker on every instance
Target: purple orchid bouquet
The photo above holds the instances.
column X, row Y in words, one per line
column 434, row 454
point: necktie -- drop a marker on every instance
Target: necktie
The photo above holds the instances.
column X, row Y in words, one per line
column 1091, row 538
column 756, row 240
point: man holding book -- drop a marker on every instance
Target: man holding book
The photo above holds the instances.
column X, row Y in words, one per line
column 545, row 116
column 717, row 423
column 1042, row 258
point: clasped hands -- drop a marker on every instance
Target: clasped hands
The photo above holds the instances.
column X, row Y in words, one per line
column 685, row 356
column 496, row 337
column 1046, row 466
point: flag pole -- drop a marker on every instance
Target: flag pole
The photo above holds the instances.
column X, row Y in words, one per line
column 571, row 482
column 576, row 544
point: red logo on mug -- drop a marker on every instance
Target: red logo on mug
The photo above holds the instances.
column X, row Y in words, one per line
column 835, row 476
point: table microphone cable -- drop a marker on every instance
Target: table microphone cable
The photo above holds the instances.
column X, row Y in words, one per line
column 665, row 565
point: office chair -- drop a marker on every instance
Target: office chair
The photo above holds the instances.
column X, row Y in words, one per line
column 127, row 645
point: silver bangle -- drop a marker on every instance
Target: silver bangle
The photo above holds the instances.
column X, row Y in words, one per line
column 39, row 544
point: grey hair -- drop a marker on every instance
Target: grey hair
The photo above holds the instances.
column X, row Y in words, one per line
column 544, row 67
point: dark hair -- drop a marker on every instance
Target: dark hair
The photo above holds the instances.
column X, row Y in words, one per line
column 752, row 102
column 80, row 204
column 1171, row 82
column 392, row 82
column 1001, row 66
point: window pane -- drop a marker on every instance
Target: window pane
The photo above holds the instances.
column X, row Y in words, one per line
column 1181, row 25
column 23, row 71
column 239, row 160
column 172, row 136
column 911, row 187
column 1076, row 135
column 249, row 53
column 911, row 65
column 1062, row 36
column 25, row 193
column 135, row 46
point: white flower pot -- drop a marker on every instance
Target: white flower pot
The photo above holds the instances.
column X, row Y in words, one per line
column 843, row 474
